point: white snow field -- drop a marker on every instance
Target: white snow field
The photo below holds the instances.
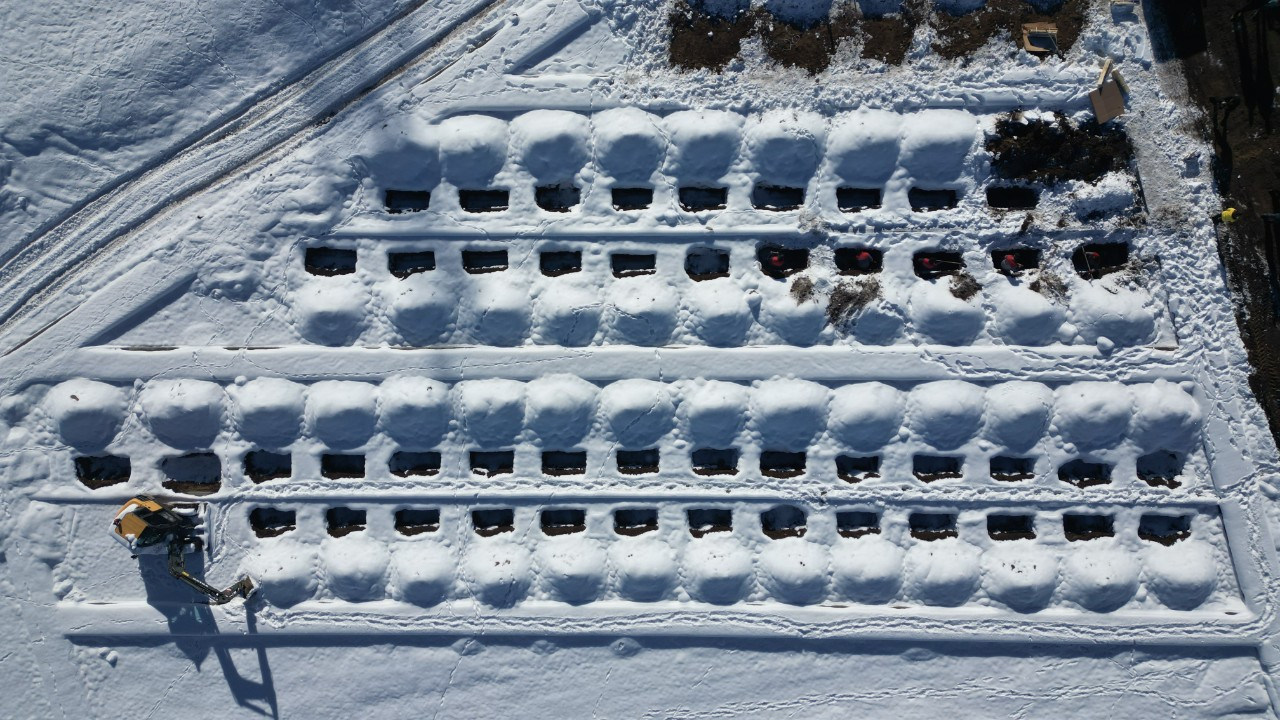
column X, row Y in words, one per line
column 492, row 370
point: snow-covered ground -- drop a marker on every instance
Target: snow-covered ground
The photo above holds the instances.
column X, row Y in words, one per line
column 658, row 462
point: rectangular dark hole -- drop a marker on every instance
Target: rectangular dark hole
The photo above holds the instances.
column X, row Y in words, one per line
column 270, row 522
column 492, row 462
column 778, row 262
column 935, row 264
column 779, row 464
column 1097, row 259
column 1084, row 474
column 263, row 465
column 1012, row 469
column 1014, row 261
column 850, row 199
column 933, row 526
column 633, row 264
column 329, row 261
column 403, row 201
column 704, row 521
column 564, row 521
column 561, row 462
column 856, row 469
column 478, row 262
column 930, row 200
column 706, row 263
column 929, row 468
column 335, row 466
column 493, row 521
column 856, row 523
column 342, row 521
column 556, row 198
column 410, row 464
column 554, row 263
column 638, row 462
column 1164, row 529
column 632, row 198
column 859, row 261
column 694, row 199
column 1011, row 527
column 193, row 474
column 1012, row 197
column 415, row 521
column 776, row 197
column 404, row 264
column 102, row 471
column 635, row 521
column 1088, row 527
column 478, row 201
column 1160, row 469
column 711, row 461
column 783, row 521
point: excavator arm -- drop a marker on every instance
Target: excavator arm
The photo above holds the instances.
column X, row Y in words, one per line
column 177, row 567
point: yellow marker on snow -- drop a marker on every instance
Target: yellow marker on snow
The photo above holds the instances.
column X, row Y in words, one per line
column 1229, row 215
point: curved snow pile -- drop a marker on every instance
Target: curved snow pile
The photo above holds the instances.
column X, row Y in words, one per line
column 405, row 154
column 497, row 312
column 473, row 149
column 643, row 311
column 1092, row 414
column 645, row 569
column 355, row 567
column 863, row 146
column 943, row 572
column 498, row 572
column 1182, row 576
column 422, row 310
column 1023, row 317
column 492, row 411
column 785, row 146
column 787, row 413
column 867, row 569
column 552, row 143
column 866, row 416
column 794, row 571
column 284, row 571
column 719, row 312
column 717, row 570
column 330, row 311
column 1100, row 580
column 423, row 573
column 937, row 144
column 572, row 569
column 1121, row 315
column 1018, row 413
column 1020, row 576
column 570, row 316
column 946, row 413
column 941, row 317
column 715, row 412
column 559, row 408
column 637, row 412
column 704, row 144
column 1166, row 417
column 87, row 414
column 183, row 413
column 342, row 414
column 415, row 411
column 269, row 411
column 629, row 144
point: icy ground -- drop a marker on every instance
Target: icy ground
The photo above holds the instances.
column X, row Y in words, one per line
column 484, row 453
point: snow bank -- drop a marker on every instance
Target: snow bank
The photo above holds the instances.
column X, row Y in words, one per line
column 284, row 571
column 784, row 146
column 629, row 145
column 943, row 572
column 1165, row 417
column 867, row 569
column 498, row 572
column 570, row 316
column 423, row 573
column 1020, row 575
column 473, row 149
column 572, row 569
column 404, row 154
column 422, row 310
column 794, row 571
column 715, row 412
column 643, row 311
column 415, row 411
column 1121, row 315
column 268, row 411
column 183, row 413
column 1183, row 575
column 637, row 412
column 1017, row 413
column 945, row 414
column 559, row 409
column 719, row 312
column 1100, row 580
column 704, row 144
column 498, row 312
column 551, row 143
column 87, row 414
column 355, row 567
column 492, row 411
column 936, row 144
column 342, row 414
column 941, row 317
column 866, row 416
column 787, row 413
column 645, row 569
column 330, row 311
column 717, row 570
column 1092, row 414
column 863, row 146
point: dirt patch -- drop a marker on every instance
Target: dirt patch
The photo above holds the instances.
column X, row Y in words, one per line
column 887, row 38
column 1051, row 286
column 1051, row 152
column 964, row 286
column 849, row 297
column 700, row 40
column 962, row 35
column 809, row 47
column 802, row 289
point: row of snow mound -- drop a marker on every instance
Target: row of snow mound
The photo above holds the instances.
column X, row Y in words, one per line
column 627, row 145
column 560, row 411
column 1099, row 575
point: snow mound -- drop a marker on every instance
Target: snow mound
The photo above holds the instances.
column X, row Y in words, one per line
column 1023, row 317
column 570, row 316
column 87, row 414
column 867, row 569
column 284, row 572
column 1121, row 315
column 943, row 572
column 422, row 310
column 794, row 571
column 1092, row 414
column 559, row 409
column 342, row 414
column 788, row 413
column 785, row 146
column 498, row 572
column 629, row 144
column 866, row 416
column 941, row 317
column 936, row 144
column 269, row 411
column 492, row 411
column 715, row 412
column 645, row 569
column 473, row 149
column 862, row 147
column 330, row 311
column 1165, row 417
column 1100, row 580
column 423, row 573
column 1018, row 413
column 719, row 312
column 643, row 311
column 355, row 567
column 945, row 413
column 183, row 413
column 414, row 411
column 498, row 312
column 796, row 323
column 553, row 143
column 1022, row 577
column 717, row 570
column 403, row 155
column 637, row 412
column 1183, row 575
column 704, row 144
column 572, row 569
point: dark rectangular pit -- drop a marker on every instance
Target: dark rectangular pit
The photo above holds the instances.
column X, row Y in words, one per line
column 262, row 465
column 1087, row 527
column 712, row 461
column 1012, row 262
column 777, row 197
column 937, row 263
column 703, row 263
column 272, row 522
column 1161, row 469
column 415, row 521
column 404, row 264
column 414, row 464
column 560, row 462
column 404, row 201
column 779, row 262
column 780, row 464
column 336, row 467
column 193, row 474
column 329, row 262
column 1012, row 469
column 478, row 262
column 1012, row 197
column 698, row 199
column 929, row 468
column 1094, row 260
column 554, row 263
column 933, row 526
column 638, row 462
column 853, row 469
column 342, row 521
column 1164, row 529
column 1082, row 473
column 783, row 521
column 488, row 463
column 1011, row 527
column 705, row 521
column 632, row 198
column 557, row 198
column 493, row 521
column 564, row 521
column 856, row 523
column 850, row 199
column 859, row 261
column 635, row 521
column 479, row 201
column 99, row 471
column 931, row 200
column 627, row 265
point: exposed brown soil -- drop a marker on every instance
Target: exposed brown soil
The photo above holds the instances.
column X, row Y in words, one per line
column 810, row 47
column 858, row 532
column 1051, row 152
column 1050, row 285
column 888, row 38
column 962, row 35
column 700, row 40
column 964, row 286
column 802, row 289
column 849, row 297
column 784, row 533
column 1231, row 62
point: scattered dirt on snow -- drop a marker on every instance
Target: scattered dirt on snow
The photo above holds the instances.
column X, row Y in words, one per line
column 851, row 296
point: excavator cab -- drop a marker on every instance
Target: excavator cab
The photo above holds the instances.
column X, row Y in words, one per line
column 147, row 526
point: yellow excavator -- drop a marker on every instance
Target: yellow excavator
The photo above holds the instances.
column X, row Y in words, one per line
column 147, row 526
